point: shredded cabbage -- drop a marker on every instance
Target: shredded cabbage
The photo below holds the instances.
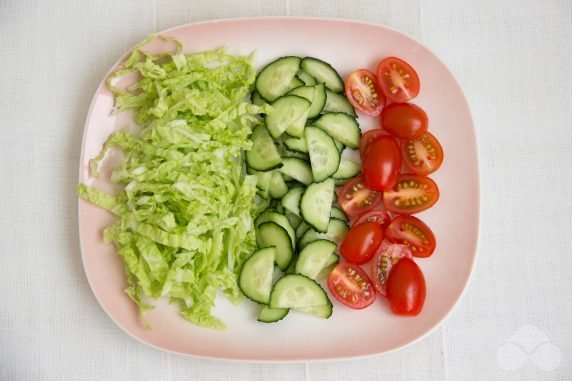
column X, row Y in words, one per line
column 185, row 216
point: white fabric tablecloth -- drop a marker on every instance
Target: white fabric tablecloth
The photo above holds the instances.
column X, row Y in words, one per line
column 512, row 58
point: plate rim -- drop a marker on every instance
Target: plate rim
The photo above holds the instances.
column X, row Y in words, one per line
column 329, row 358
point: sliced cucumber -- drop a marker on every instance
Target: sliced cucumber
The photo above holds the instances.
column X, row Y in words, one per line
column 302, row 229
column 324, row 155
column 295, row 220
column 270, row 234
column 316, row 204
column 298, row 169
column 297, row 291
column 338, row 103
column 275, row 79
column 337, row 230
column 278, row 187
column 341, row 127
column 271, row 315
column 289, row 114
column 339, row 145
column 291, row 200
column 263, row 155
column 306, row 78
column 280, row 219
column 328, row 267
column 297, row 144
column 339, row 214
column 296, row 82
column 347, row 169
column 314, row 257
column 323, row 72
column 315, row 94
column 255, row 279
column 256, row 99
column 264, row 179
column 323, row 311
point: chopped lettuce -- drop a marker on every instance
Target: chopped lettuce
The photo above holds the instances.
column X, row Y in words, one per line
column 185, row 215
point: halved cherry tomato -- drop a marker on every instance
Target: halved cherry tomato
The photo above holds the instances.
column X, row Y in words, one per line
column 369, row 137
column 354, row 198
column 423, row 155
column 381, row 164
column 404, row 120
column 363, row 92
column 399, row 81
column 414, row 233
column 379, row 216
column 386, row 256
column 406, row 288
column 361, row 242
column 351, row 286
column 411, row 194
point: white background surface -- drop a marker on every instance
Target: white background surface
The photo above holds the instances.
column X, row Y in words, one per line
column 511, row 58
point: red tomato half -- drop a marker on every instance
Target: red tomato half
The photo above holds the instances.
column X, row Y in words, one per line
column 368, row 138
column 406, row 288
column 351, row 286
column 381, row 164
column 361, row 242
column 379, row 216
column 414, row 233
column 423, row 155
column 354, row 198
column 404, row 120
column 399, row 81
column 386, row 256
column 411, row 194
column 363, row 92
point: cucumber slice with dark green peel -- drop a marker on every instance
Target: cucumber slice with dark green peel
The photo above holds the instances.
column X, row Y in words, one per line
column 306, row 78
column 295, row 220
column 289, row 115
column 314, row 257
column 324, row 155
column 298, row 169
column 297, row 291
column 297, row 144
column 291, row 200
column 278, row 187
column 328, row 267
column 264, row 179
column 323, row 311
column 347, row 169
column 339, row 145
column 338, row 103
column 270, row 234
column 323, row 72
column 302, row 229
column 278, row 218
column 255, row 279
column 292, row 267
column 339, row 214
column 275, row 79
column 337, row 230
column 316, row 204
column 315, row 94
column 256, row 99
column 295, row 83
column 341, row 127
column 271, row 315
column 263, row 155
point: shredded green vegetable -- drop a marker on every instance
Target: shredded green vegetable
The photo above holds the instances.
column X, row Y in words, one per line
column 185, row 216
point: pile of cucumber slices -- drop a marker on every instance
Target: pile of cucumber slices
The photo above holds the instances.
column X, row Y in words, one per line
column 297, row 157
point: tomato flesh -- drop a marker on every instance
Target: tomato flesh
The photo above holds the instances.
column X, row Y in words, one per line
column 406, row 288
column 398, row 80
column 423, row 155
column 354, row 198
column 379, row 216
column 414, row 233
column 361, row 242
column 404, row 120
column 363, row 91
column 385, row 258
column 368, row 138
column 350, row 285
column 381, row 164
column 411, row 194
